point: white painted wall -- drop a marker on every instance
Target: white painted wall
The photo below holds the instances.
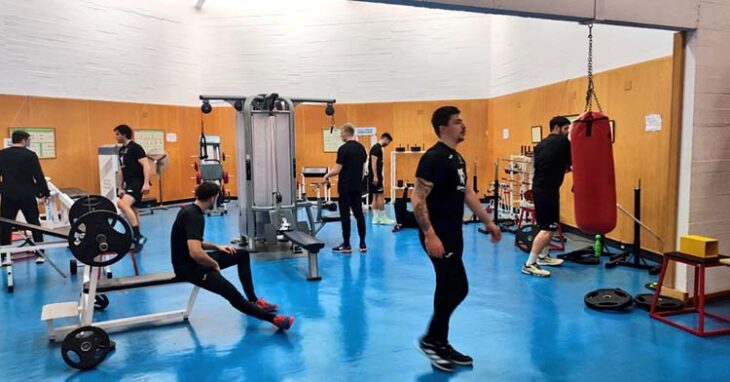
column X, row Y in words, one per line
column 164, row 51
column 132, row 50
column 363, row 52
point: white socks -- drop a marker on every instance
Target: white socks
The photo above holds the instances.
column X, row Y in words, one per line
column 532, row 259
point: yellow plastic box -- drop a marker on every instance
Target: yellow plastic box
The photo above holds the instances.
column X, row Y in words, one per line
column 699, row 246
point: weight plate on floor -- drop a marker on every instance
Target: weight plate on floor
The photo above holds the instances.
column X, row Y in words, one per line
column 608, row 299
column 87, row 204
column 100, row 233
column 85, row 347
column 524, row 237
column 101, row 302
column 644, row 301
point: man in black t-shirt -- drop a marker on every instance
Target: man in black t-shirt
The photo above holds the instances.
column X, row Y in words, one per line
column 376, row 182
column 438, row 205
column 551, row 162
column 351, row 157
column 192, row 263
column 21, row 181
column 133, row 179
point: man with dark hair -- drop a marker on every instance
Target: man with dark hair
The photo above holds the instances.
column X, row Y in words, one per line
column 351, row 158
column 376, row 182
column 133, row 180
column 21, row 181
column 552, row 160
column 192, row 263
column 438, row 205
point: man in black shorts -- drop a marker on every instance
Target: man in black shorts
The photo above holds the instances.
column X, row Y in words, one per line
column 350, row 167
column 192, row 263
column 21, row 181
column 375, row 180
column 133, row 179
column 438, row 205
column 552, row 161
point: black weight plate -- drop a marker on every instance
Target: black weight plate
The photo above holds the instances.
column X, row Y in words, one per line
column 85, row 347
column 524, row 237
column 100, row 232
column 608, row 299
column 101, row 302
column 644, row 300
column 87, row 204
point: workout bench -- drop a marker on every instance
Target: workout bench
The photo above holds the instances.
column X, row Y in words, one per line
column 84, row 308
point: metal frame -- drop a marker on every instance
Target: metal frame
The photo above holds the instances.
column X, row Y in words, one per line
column 85, row 312
column 248, row 108
column 9, row 250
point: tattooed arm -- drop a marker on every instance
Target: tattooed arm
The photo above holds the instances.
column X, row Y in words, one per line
column 433, row 244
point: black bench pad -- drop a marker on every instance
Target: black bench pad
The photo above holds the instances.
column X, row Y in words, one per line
column 304, row 240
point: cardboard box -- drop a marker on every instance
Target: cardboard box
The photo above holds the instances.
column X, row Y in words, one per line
column 699, row 246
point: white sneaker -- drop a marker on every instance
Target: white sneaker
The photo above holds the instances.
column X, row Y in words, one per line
column 549, row 261
column 40, row 259
column 375, row 219
column 535, row 270
column 387, row 221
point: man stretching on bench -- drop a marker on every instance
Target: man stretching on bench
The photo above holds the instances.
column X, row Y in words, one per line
column 192, row 263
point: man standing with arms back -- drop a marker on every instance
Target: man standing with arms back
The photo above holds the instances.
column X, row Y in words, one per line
column 438, row 205
column 133, row 179
column 376, row 182
column 22, row 181
column 552, row 161
column 351, row 157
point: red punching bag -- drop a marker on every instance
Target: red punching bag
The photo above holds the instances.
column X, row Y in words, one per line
column 594, row 179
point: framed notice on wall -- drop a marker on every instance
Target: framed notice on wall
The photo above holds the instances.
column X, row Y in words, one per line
column 152, row 141
column 332, row 141
column 42, row 140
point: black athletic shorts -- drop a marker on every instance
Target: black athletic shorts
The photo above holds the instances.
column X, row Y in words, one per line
column 376, row 188
column 133, row 188
column 547, row 209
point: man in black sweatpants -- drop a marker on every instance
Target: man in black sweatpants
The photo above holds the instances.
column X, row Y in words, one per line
column 192, row 263
column 22, row 181
column 438, row 205
column 351, row 157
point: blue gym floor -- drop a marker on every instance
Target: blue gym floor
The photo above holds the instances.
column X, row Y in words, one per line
column 360, row 323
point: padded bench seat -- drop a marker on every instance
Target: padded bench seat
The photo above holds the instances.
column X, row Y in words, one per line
column 122, row 283
column 330, row 219
column 304, row 240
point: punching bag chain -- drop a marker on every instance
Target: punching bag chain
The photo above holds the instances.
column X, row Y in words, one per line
column 591, row 93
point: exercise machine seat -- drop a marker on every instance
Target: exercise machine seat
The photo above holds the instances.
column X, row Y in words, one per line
column 123, row 283
column 304, row 240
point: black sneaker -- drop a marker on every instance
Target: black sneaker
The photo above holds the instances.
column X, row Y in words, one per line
column 458, row 358
column 437, row 354
column 342, row 248
column 363, row 248
column 139, row 242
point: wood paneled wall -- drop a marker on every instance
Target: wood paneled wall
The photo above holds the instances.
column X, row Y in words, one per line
column 627, row 95
column 82, row 126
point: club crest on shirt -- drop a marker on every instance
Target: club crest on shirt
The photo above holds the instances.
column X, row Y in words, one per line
column 462, row 180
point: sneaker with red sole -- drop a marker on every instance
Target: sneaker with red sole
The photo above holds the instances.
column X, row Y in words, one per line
column 283, row 322
column 266, row 306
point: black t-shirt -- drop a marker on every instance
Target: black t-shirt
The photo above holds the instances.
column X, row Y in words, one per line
column 21, row 174
column 552, row 158
column 352, row 157
column 446, row 169
column 129, row 156
column 376, row 151
column 189, row 225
